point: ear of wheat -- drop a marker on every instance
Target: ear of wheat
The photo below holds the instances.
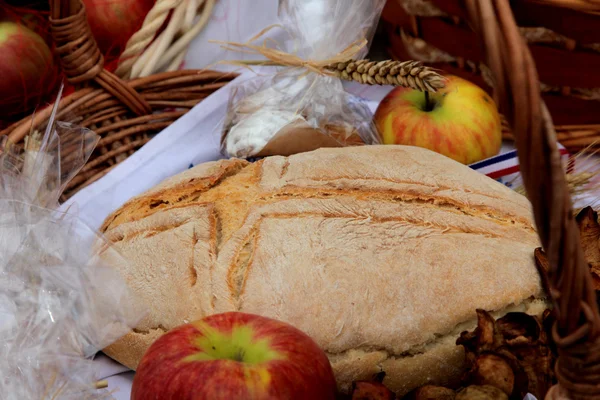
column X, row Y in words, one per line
column 410, row 74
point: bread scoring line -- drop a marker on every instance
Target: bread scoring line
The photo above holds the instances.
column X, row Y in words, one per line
column 191, row 267
column 233, row 274
column 384, row 196
column 147, row 232
column 230, row 171
column 154, row 231
column 146, row 200
column 404, row 197
column 443, row 229
column 400, row 182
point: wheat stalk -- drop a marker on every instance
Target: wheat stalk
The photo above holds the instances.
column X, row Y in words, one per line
column 412, row 74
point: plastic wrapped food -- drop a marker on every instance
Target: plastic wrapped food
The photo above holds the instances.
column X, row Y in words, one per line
column 58, row 304
column 297, row 110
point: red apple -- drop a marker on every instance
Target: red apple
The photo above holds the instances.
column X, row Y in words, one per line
column 27, row 70
column 113, row 22
column 30, row 14
column 460, row 121
column 234, row 356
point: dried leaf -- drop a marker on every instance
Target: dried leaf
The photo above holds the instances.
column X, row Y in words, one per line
column 484, row 337
column 512, row 354
column 589, row 232
column 527, row 340
column 519, row 326
column 493, row 370
column 372, row 390
column 485, row 392
column 364, row 390
column 430, row 392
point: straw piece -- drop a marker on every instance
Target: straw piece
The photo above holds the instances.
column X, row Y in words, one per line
column 590, row 6
column 573, row 137
column 101, row 384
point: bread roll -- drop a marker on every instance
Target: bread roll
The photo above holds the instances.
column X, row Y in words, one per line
column 380, row 253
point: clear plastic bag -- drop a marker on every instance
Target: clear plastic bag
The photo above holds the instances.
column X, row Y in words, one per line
column 298, row 110
column 59, row 304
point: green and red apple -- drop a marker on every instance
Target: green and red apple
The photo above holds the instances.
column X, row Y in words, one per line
column 460, row 121
column 234, row 356
column 27, row 69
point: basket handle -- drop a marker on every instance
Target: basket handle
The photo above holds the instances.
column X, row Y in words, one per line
column 517, row 92
column 80, row 56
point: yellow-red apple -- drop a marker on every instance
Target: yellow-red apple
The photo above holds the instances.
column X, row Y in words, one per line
column 234, row 356
column 460, row 121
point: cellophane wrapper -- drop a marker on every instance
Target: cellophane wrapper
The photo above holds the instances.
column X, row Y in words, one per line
column 262, row 107
column 59, row 305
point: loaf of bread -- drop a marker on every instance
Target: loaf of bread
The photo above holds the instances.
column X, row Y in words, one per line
column 380, row 253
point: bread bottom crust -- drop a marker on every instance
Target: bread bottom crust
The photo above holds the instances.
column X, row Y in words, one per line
column 440, row 362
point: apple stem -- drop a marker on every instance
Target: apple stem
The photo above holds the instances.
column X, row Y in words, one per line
column 428, row 106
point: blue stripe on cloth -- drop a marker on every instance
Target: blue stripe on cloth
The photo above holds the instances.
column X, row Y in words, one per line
column 494, row 160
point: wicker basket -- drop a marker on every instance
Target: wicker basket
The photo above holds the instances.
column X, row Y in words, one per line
column 512, row 65
column 563, row 38
column 121, row 110
column 126, row 114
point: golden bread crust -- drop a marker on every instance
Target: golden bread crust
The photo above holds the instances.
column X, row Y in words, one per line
column 380, row 253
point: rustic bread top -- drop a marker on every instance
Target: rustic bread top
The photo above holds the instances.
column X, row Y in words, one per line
column 370, row 250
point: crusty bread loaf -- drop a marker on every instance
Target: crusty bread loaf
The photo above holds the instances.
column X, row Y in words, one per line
column 380, row 253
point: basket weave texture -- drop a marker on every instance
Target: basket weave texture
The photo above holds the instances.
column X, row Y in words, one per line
column 562, row 36
column 126, row 114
